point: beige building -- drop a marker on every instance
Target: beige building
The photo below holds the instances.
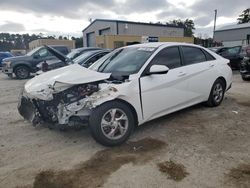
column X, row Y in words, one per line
column 117, row 33
column 114, row 41
column 39, row 42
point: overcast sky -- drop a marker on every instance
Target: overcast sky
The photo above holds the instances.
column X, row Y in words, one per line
column 64, row 17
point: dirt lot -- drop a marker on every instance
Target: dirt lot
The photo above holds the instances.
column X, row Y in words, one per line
column 197, row 147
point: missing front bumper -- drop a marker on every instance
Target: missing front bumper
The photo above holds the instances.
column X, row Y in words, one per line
column 28, row 110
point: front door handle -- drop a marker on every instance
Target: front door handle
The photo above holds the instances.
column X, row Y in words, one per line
column 181, row 74
column 211, row 65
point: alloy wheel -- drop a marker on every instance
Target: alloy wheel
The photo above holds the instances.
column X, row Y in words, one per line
column 114, row 124
column 218, row 92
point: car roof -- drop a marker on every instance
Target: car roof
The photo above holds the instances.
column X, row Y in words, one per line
column 94, row 52
column 158, row 44
column 87, row 49
column 58, row 46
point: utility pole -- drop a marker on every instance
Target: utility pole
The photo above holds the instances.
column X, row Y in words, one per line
column 215, row 17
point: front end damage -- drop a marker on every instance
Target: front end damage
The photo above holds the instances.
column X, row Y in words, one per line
column 68, row 107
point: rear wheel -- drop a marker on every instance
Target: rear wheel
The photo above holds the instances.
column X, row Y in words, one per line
column 22, row 72
column 217, row 93
column 111, row 123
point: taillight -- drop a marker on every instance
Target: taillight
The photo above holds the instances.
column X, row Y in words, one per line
column 45, row 67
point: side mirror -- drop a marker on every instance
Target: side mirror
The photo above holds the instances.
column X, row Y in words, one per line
column 158, row 69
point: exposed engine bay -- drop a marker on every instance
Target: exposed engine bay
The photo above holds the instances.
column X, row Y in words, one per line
column 72, row 104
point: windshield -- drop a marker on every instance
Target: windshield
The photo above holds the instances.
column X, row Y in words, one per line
column 83, row 57
column 73, row 54
column 32, row 52
column 124, row 61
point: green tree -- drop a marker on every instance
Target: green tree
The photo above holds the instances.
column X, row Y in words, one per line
column 189, row 27
column 244, row 17
column 78, row 41
column 187, row 24
column 17, row 41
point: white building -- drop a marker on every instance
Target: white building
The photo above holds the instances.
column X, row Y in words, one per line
column 233, row 35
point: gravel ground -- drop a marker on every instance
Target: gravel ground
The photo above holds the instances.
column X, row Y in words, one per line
column 196, row 147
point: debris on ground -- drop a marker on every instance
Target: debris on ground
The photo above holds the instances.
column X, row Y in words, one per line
column 174, row 171
column 240, row 176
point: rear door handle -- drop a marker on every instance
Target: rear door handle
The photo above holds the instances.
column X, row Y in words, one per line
column 211, row 65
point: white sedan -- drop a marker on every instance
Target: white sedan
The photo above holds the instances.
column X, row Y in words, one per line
column 127, row 88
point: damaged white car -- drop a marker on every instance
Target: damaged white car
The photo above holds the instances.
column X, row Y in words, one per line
column 126, row 88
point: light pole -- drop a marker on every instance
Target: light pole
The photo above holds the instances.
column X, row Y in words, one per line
column 215, row 17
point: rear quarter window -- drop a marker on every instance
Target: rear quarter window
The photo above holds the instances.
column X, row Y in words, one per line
column 209, row 57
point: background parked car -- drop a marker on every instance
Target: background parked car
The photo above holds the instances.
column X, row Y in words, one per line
column 22, row 66
column 79, row 51
column 245, row 63
column 4, row 55
column 218, row 49
column 233, row 54
column 86, row 59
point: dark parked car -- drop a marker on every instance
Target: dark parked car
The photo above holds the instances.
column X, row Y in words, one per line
column 86, row 59
column 245, row 63
column 79, row 51
column 218, row 50
column 4, row 55
column 234, row 55
column 22, row 66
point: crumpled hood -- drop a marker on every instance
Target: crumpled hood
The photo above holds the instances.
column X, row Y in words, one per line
column 44, row 85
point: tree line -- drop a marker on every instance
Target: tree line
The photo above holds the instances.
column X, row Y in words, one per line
column 21, row 41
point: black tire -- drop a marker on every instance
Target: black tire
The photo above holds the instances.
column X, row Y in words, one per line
column 245, row 79
column 97, row 116
column 214, row 100
column 22, row 72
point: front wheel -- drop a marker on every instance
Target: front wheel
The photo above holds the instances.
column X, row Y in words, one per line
column 22, row 72
column 217, row 93
column 111, row 123
column 245, row 79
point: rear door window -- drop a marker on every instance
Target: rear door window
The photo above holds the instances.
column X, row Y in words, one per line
column 193, row 55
